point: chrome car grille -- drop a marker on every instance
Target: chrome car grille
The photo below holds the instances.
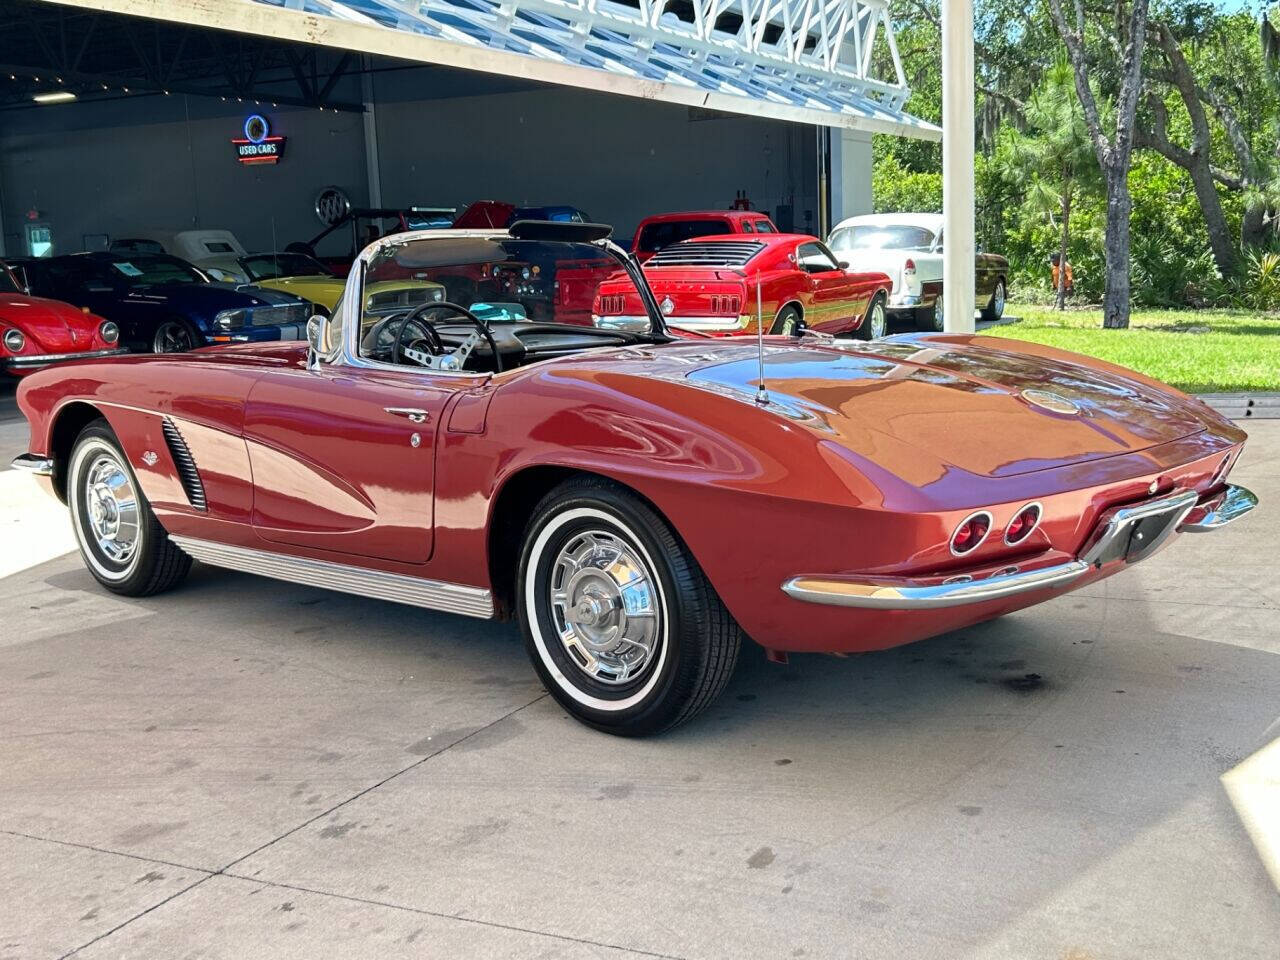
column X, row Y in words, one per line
column 278, row 314
column 408, row 297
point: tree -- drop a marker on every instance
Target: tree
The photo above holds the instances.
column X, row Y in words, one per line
column 1197, row 159
column 1053, row 157
column 1114, row 151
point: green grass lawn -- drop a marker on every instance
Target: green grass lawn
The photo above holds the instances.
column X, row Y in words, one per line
column 1199, row 351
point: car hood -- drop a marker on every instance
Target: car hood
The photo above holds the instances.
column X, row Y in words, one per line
column 326, row 291
column 964, row 403
column 53, row 326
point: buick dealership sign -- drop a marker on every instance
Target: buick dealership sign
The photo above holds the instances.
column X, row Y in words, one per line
column 258, row 145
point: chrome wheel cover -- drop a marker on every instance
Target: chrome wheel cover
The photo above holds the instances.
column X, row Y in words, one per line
column 172, row 337
column 877, row 321
column 938, row 323
column 997, row 301
column 603, row 606
column 110, row 508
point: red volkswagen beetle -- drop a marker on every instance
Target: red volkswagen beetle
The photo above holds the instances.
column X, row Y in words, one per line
column 718, row 285
column 35, row 332
column 638, row 502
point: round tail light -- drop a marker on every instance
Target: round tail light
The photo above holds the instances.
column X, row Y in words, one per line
column 969, row 535
column 1023, row 523
column 109, row 332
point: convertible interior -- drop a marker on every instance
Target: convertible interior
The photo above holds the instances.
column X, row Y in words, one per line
column 494, row 303
column 447, row 336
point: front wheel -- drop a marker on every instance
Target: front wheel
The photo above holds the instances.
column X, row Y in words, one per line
column 174, row 336
column 621, row 624
column 122, row 543
column 875, row 323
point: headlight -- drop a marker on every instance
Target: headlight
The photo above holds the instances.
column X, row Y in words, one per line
column 226, row 276
column 437, row 294
column 109, row 332
column 229, row 320
column 14, row 340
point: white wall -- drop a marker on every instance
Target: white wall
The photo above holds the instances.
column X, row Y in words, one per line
column 850, row 174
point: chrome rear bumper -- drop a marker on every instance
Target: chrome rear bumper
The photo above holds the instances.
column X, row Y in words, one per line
column 1126, row 534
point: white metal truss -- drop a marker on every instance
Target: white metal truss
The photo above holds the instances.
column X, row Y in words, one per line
column 806, row 60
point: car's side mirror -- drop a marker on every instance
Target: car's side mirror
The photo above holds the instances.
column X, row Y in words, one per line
column 316, row 331
column 843, row 264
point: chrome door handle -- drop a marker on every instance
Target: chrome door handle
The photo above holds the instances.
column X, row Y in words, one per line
column 414, row 414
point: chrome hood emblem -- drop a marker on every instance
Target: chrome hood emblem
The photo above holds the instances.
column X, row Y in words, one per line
column 1052, row 402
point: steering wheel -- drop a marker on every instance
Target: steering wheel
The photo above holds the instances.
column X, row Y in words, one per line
column 429, row 350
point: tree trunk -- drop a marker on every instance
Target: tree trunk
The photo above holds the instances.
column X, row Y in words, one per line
column 1253, row 226
column 1067, row 189
column 1115, row 297
column 1215, row 221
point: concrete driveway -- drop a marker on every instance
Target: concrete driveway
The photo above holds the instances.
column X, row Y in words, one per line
column 246, row 769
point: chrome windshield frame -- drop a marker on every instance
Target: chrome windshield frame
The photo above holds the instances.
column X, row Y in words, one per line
column 348, row 353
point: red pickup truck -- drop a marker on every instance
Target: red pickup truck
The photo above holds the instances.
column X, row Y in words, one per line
column 664, row 229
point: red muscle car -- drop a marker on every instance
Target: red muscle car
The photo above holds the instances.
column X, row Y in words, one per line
column 36, row 332
column 717, row 285
column 637, row 501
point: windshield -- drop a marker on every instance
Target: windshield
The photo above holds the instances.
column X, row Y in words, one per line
column 268, row 266
column 881, row 237
column 502, row 281
column 148, row 271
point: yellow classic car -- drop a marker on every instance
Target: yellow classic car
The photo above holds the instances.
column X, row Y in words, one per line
column 306, row 277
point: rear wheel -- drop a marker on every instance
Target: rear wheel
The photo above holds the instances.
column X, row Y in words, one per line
column 994, row 309
column 786, row 323
column 932, row 319
column 174, row 336
column 876, row 323
column 122, row 543
column 621, row 624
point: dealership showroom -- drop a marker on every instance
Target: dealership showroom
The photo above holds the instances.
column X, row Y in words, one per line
column 396, row 561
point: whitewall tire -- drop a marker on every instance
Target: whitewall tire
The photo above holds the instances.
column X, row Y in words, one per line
column 122, row 544
column 621, row 624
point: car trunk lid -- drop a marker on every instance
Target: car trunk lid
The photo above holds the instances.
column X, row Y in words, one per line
column 979, row 408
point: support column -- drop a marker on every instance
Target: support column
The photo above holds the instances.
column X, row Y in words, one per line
column 958, row 260
column 372, row 160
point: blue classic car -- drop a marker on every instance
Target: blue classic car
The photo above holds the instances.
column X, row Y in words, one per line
column 163, row 304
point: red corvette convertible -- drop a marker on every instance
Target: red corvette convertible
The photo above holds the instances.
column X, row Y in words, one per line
column 717, row 285
column 35, row 332
column 637, row 501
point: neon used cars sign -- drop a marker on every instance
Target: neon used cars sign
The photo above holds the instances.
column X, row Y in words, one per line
column 258, row 145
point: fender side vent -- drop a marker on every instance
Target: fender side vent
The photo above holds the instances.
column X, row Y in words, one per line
column 186, row 464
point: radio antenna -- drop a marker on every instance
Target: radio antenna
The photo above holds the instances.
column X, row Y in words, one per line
column 762, row 395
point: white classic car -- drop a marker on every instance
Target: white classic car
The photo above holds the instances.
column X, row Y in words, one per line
column 216, row 252
column 908, row 247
